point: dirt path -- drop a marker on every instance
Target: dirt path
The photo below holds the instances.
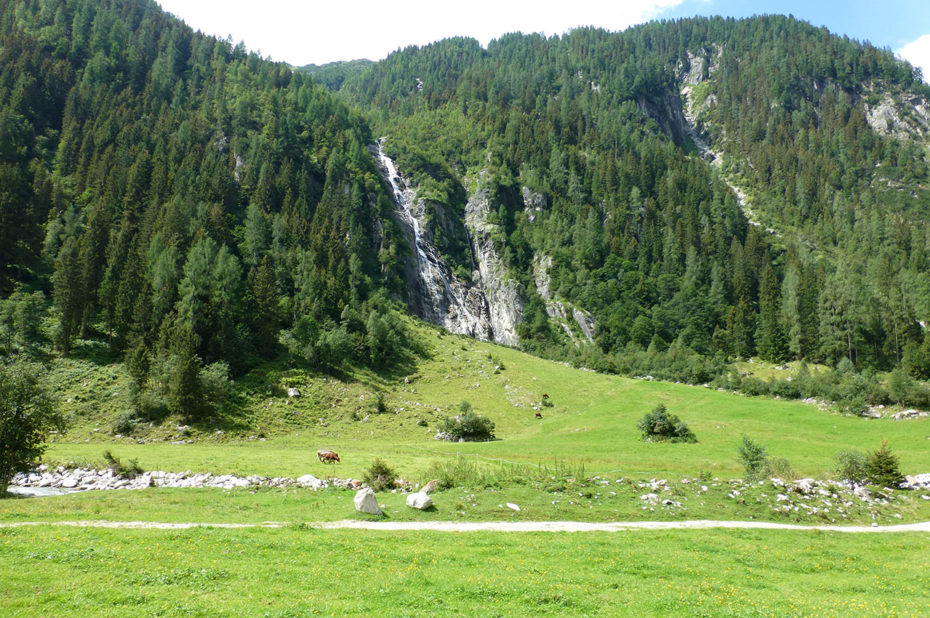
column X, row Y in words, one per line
column 485, row 526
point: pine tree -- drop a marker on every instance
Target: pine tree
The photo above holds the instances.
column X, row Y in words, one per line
column 68, row 294
column 882, row 468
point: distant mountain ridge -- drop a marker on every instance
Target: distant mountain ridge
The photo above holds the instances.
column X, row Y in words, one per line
column 695, row 190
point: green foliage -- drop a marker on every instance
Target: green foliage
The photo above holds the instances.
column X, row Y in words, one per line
column 468, row 426
column 126, row 470
column 882, row 468
column 753, row 457
column 379, row 475
column 660, row 426
column 27, row 414
column 126, row 422
column 851, row 465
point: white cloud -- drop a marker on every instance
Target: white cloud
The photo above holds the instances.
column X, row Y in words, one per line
column 302, row 31
column 918, row 53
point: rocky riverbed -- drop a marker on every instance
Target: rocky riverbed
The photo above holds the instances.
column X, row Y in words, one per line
column 88, row 479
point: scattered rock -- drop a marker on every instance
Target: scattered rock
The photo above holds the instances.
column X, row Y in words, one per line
column 366, row 502
column 308, row 480
column 419, row 500
column 430, row 487
column 512, row 506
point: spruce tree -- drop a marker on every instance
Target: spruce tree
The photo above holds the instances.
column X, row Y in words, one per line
column 882, row 469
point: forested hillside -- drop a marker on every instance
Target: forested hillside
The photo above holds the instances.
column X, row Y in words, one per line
column 665, row 199
column 645, row 232
column 181, row 199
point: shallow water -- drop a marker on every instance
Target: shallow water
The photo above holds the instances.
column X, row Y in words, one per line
column 38, row 492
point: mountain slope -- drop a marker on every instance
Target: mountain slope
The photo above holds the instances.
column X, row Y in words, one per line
column 590, row 197
column 797, row 122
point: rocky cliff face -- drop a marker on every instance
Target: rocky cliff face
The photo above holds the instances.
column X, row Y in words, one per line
column 505, row 303
column 902, row 116
column 577, row 323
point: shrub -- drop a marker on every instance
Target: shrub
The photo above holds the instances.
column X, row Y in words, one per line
column 27, row 415
column 380, row 403
column 129, row 471
column 379, row 475
column 469, row 426
column 126, row 422
column 882, row 468
column 779, row 467
column 851, row 466
column 753, row 457
column 659, row 425
column 215, row 386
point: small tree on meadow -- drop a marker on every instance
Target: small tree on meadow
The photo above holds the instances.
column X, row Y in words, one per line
column 753, row 456
column 882, row 468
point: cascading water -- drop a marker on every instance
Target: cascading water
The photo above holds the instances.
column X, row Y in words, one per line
column 437, row 295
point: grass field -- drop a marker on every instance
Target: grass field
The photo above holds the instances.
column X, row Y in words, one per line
column 584, row 460
column 592, row 420
column 301, row 571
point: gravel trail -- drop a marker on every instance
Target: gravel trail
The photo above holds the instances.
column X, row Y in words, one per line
column 487, row 526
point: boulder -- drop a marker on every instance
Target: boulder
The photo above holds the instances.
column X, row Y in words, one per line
column 430, row 487
column 419, row 500
column 293, row 392
column 366, row 502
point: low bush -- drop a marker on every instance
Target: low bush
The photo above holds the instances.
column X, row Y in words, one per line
column 468, row 425
column 779, row 467
column 851, row 466
column 660, row 426
column 130, row 470
column 125, row 423
column 379, row 475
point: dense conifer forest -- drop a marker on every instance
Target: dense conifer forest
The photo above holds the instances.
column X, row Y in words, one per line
column 201, row 209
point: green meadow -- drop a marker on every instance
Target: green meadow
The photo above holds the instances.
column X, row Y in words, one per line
column 584, row 460
column 304, row 571
column 590, row 422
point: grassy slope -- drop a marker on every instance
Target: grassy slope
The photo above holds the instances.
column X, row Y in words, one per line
column 592, row 421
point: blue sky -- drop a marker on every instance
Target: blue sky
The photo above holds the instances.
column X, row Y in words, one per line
column 884, row 23
column 318, row 31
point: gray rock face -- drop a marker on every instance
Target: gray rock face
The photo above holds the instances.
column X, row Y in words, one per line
column 505, row 303
column 559, row 311
column 366, row 502
column 420, row 500
column 907, row 119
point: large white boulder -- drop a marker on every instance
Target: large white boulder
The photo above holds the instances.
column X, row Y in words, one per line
column 366, row 502
column 419, row 500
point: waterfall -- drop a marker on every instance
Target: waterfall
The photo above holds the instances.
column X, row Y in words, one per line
column 437, row 295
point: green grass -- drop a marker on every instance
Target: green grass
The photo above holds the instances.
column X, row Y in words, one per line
column 539, row 498
column 592, row 421
column 300, row 571
column 564, row 466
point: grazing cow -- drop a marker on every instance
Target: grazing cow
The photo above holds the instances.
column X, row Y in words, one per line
column 328, row 456
column 545, row 395
column 539, row 415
